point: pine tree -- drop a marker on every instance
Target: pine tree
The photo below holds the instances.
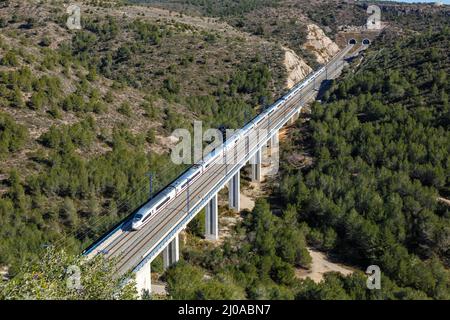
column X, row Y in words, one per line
column 60, row 276
column 17, row 99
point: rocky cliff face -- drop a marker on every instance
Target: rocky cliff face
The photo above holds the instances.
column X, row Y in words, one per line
column 296, row 68
column 319, row 44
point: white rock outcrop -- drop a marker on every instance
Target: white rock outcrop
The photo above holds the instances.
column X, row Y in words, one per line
column 297, row 69
column 319, row 44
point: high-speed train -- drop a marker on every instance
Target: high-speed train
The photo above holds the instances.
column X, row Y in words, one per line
column 163, row 198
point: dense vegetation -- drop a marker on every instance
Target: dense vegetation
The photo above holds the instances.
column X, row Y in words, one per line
column 259, row 263
column 416, row 18
column 12, row 135
column 59, row 275
column 381, row 149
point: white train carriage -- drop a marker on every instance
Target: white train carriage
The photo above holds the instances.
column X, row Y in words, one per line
column 212, row 157
column 275, row 106
column 162, row 199
column 231, row 141
column 189, row 176
column 151, row 208
column 247, row 128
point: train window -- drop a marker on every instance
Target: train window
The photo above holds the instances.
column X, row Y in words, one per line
column 195, row 175
column 148, row 216
column 184, row 185
column 162, row 203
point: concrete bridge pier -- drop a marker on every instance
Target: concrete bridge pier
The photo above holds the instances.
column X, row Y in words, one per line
column 171, row 253
column 256, row 166
column 212, row 220
column 144, row 279
column 234, row 192
column 273, row 145
column 274, row 140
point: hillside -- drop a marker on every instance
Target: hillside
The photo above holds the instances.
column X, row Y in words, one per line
column 290, row 22
column 85, row 115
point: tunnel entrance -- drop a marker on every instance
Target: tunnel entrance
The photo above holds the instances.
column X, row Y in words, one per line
column 366, row 42
column 352, row 41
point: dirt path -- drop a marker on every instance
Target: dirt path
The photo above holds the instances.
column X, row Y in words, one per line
column 247, row 203
column 159, row 289
column 443, row 200
column 319, row 266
